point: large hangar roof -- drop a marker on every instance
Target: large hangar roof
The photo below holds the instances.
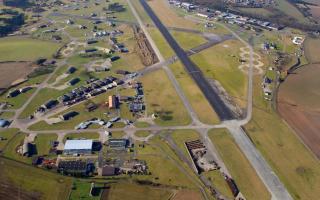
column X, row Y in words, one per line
column 78, row 144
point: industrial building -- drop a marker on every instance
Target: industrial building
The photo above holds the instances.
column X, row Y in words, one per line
column 73, row 147
column 118, row 144
column 113, row 102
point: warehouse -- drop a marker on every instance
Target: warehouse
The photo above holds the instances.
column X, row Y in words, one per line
column 78, row 147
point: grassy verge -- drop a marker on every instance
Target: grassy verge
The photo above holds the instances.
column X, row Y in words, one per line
column 163, row 102
column 242, row 172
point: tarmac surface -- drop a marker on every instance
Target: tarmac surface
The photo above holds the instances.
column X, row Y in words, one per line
column 215, row 101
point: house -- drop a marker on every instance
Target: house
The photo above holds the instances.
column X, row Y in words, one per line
column 72, row 147
column 68, row 115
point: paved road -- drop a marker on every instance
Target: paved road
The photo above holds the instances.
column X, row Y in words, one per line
column 213, row 98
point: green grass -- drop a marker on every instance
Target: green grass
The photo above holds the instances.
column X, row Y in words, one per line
column 290, row 10
column 8, row 134
column 50, row 186
column 182, row 136
column 125, row 190
column 221, row 63
column 142, row 133
column 165, row 102
column 188, row 40
column 6, row 115
column 217, row 180
column 26, row 49
column 117, row 134
column 43, row 143
column 242, row 172
column 82, row 191
column 161, row 43
column 195, row 96
column 141, row 124
column 296, row 167
column 17, row 101
column 72, row 136
column 10, row 151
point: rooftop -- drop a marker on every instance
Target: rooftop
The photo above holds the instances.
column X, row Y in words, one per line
column 78, row 144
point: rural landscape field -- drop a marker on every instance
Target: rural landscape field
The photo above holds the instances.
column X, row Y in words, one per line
column 159, row 100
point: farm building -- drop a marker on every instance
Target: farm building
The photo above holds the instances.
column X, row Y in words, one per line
column 118, row 144
column 113, row 102
column 68, row 115
column 78, row 147
column 4, row 123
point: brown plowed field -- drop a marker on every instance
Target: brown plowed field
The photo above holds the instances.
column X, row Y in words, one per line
column 299, row 104
column 187, row 195
column 12, row 71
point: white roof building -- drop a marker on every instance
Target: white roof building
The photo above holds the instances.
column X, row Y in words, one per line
column 78, row 147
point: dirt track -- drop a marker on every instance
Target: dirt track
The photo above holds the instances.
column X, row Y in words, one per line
column 298, row 104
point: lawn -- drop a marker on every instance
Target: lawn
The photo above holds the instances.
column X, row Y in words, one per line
column 10, row 150
column 296, row 167
column 50, row 186
column 242, row 172
column 82, row 191
column 8, row 134
column 221, row 63
column 188, row 40
column 43, row 143
column 73, row 136
column 162, row 99
column 125, row 190
column 142, row 133
column 25, row 49
column 195, row 96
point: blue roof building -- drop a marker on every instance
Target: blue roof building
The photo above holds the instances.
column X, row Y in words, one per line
column 4, row 123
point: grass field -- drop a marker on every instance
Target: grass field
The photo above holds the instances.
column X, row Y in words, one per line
column 17, row 101
column 161, row 43
column 182, row 136
column 82, row 191
column 8, row 134
column 125, row 190
column 259, row 11
column 164, row 102
column 188, row 40
column 26, row 49
column 43, row 143
column 196, row 98
column 244, row 175
column 297, row 168
column 168, row 16
column 73, row 136
column 10, row 150
column 290, row 10
column 142, row 133
column 49, row 185
column 221, row 63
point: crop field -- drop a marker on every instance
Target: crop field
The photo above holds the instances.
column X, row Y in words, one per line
column 311, row 47
column 187, row 195
column 25, row 49
column 296, row 167
column 298, row 104
column 221, row 63
column 244, row 175
column 290, row 10
column 165, row 103
column 260, row 11
column 12, row 71
column 31, row 183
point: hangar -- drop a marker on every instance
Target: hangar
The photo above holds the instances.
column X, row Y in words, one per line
column 78, row 147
